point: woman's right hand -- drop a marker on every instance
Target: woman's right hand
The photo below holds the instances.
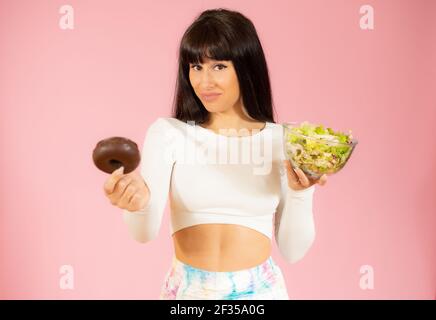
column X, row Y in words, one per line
column 127, row 191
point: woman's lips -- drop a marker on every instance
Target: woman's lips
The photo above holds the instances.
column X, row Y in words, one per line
column 211, row 97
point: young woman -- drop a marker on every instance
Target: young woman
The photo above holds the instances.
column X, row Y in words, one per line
column 222, row 214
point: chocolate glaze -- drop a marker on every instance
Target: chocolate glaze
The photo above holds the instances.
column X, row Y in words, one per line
column 111, row 153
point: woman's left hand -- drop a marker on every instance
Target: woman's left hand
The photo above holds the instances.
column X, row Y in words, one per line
column 297, row 180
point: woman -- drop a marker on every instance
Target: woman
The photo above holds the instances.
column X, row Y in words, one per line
column 221, row 214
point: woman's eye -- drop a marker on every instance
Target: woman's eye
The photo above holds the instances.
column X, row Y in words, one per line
column 218, row 65
column 221, row 65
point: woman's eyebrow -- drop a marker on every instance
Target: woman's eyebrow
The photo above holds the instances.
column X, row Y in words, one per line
column 211, row 61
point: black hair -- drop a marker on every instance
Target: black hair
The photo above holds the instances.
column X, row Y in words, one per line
column 222, row 34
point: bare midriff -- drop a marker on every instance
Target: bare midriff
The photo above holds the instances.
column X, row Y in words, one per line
column 221, row 247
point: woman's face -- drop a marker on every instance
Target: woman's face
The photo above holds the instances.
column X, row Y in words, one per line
column 215, row 76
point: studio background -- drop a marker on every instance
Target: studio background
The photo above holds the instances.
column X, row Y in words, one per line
column 61, row 91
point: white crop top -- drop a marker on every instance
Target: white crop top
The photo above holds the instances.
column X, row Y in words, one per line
column 216, row 178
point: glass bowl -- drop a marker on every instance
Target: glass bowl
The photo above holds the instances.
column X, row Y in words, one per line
column 317, row 154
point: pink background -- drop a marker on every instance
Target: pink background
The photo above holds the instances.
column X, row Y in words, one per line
column 61, row 91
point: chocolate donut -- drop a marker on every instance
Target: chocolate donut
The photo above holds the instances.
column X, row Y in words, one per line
column 112, row 153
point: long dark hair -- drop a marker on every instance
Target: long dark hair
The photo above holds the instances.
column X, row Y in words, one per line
column 223, row 34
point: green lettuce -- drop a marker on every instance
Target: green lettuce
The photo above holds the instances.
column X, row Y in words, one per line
column 317, row 149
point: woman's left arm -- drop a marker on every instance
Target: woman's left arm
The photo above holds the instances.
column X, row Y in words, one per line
column 294, row 224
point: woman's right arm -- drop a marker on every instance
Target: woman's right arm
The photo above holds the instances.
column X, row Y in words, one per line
column 155, row 171
column 156, row 167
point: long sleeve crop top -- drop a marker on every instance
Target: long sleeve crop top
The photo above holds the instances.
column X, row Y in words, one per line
column 214, row 178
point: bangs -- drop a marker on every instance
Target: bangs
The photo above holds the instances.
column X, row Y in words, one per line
column 205, row 42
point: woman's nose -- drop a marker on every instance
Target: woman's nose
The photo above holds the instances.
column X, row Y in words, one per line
column 206, row 77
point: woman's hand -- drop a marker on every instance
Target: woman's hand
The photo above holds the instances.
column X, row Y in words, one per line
column 297, row 180
column 127, row 191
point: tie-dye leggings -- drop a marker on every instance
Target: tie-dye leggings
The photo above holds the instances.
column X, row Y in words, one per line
column 184, row 282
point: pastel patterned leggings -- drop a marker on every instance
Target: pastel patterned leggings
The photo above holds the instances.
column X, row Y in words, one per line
column 184, row 282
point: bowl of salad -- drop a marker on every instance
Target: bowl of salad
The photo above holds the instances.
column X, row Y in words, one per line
column 315, row 149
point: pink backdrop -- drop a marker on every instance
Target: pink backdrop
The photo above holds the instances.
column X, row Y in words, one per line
column 61, row 91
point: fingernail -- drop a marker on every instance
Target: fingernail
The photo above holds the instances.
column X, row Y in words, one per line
column 120, row 170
